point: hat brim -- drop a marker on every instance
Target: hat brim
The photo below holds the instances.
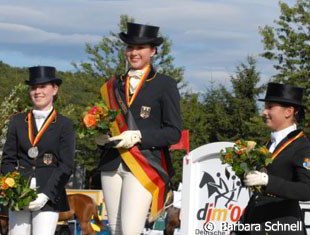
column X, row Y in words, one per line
column 140, row 40
column 40, row 81
column 282, row 101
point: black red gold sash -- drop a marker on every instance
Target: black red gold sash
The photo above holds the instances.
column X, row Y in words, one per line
column 285, row 144
column 34, row 140
column 140, row 165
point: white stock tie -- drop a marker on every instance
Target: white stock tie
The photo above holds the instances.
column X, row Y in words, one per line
column 135, row 76
column 40, row 117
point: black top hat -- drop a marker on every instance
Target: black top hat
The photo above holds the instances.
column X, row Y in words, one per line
column 139, row 34
column 41, row 75
column 282, row 93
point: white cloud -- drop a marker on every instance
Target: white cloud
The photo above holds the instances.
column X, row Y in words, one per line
column 210, row 38
column 16, row 33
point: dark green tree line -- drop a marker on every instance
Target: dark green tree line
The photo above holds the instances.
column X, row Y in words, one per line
column 287, row 45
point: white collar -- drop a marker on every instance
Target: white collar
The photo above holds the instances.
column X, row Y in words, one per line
column 38, row 114
column 278, row 136
column 137, row 73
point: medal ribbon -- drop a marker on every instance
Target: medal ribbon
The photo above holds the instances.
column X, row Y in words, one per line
column 284, row 145
column 129, row 99
column 35, row 140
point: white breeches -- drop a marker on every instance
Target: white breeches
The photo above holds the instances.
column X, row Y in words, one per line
column 32, row 223
column 127, row 201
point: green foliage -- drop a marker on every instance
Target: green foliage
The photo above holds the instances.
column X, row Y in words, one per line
column 234, row 115
column 217, row 103
column 10, row 77
column 15, row 102
column 194, row 119
column 287, row 44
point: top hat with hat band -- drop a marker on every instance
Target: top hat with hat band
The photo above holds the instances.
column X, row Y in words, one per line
column 42, row 74
column 284, row 94
column 140, row 34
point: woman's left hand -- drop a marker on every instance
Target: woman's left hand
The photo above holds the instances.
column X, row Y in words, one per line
column 38, row 203
column 127, row 139
column 254, row 178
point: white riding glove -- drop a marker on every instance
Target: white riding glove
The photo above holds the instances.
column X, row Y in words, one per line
column 127, row 139
column 254, row 178
column 38, row 203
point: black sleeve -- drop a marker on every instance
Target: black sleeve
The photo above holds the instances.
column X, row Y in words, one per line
column 9, row 156
column 299, row 189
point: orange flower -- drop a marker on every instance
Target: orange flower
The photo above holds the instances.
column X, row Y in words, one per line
column 240, row 151
column 228, row 155
column 4, row 186
column 96, row 120
column 90, row 121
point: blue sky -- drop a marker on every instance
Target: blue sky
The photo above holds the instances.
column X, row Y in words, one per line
column 210, row 37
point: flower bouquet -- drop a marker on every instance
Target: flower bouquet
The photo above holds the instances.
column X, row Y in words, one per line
column 246, row 156
column 15, row 191
column 96, row 122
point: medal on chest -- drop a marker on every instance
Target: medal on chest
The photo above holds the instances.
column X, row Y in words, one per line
column 33, row 152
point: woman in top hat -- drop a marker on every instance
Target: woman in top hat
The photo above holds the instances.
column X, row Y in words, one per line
column 135, row 174
column 40, row 145
column 287, row 180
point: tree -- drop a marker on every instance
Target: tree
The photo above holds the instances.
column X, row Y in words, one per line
column 287, row 44
column 12, row 104
column 234, row 115
column 244, row 102
column 194, row 119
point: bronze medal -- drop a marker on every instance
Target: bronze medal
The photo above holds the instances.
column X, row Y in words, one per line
column 33, row 152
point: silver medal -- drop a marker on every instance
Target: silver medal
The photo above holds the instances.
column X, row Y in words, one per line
column 33, row 152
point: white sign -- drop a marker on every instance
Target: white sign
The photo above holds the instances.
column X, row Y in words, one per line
column 212, row 196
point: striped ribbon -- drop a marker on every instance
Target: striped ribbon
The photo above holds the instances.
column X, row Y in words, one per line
column 285, row 144
column 34, row 140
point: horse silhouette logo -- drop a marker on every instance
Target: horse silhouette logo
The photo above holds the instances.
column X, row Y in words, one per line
column 227, row 188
